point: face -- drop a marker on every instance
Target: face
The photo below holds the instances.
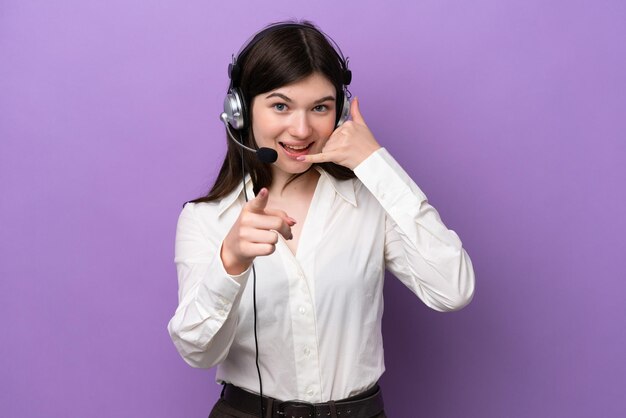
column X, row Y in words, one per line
column 295, row 120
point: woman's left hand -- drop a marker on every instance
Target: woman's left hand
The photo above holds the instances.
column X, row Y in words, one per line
column 349, row 144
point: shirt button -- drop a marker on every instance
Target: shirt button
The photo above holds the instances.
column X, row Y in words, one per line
column 223, row 301
column 309, row 392
column 302, row 310
column 221, row 313
column 307, row 351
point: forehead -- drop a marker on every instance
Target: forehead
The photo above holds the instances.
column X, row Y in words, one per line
column 312, row 87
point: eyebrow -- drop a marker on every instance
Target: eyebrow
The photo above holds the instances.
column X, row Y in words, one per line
column 287, row 99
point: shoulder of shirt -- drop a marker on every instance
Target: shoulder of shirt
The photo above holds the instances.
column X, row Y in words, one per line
column 216, row 207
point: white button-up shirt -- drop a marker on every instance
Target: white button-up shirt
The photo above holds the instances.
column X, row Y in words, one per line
column 319, row 312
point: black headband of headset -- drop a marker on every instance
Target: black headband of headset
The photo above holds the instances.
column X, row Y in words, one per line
column 234, row 70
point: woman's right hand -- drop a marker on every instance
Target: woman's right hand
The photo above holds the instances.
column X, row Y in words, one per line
column 254, row 233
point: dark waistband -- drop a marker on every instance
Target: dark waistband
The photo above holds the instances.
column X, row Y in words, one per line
column 363, row 405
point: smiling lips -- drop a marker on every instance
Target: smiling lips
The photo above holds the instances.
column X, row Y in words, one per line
column 294, row 151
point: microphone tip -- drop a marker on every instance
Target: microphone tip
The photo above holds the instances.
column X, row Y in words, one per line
column 267, row 155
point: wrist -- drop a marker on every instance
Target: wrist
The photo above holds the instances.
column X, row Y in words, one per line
column 366, row 154
column 232, row 264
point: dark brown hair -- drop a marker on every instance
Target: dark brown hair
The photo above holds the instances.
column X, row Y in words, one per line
column 284, row 55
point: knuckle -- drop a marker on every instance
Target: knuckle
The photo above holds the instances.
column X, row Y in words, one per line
column 244, row 219
column 277, row 223
column 269, row 249
column 245, row 250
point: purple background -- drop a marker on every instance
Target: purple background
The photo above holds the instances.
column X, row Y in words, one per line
column 510, row 115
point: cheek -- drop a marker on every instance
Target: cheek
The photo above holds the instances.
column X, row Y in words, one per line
column 326, row 128
column 258, row 121
column 324, row 140
column 262, row 126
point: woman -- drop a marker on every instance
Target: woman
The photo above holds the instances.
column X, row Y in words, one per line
column 326, row 219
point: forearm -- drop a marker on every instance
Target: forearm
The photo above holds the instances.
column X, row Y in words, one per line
column 204, row 324
column 420, row 250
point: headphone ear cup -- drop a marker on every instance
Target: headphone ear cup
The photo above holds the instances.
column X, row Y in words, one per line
column 235, row 109
column 345, row 111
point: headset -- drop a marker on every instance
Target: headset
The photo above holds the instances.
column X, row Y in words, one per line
column 235, row 113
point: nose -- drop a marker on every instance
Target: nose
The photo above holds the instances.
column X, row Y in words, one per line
column 300, row 126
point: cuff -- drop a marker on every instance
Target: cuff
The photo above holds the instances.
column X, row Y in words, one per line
column 221, row 290
column 387, row 180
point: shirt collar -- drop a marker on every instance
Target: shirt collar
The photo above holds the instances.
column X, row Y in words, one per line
column 344, row 188
column 230, row 198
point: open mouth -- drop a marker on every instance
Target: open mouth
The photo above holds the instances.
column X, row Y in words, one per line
column 296, row 150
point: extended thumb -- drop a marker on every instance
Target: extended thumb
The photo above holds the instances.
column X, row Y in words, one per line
column 355, row 112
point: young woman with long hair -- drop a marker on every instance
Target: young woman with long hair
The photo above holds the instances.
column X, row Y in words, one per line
column 281, row 265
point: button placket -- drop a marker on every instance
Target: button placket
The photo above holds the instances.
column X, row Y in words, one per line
column 306, row 336
column 301, row 303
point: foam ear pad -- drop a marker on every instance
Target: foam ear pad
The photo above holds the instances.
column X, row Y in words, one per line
column 347, row 76
column 235, row 109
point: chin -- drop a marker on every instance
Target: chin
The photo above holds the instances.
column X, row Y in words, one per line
column 293, row 167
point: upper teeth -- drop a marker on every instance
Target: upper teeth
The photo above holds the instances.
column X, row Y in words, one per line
column 296, row 147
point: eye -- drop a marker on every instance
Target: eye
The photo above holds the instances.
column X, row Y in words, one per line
column 280, row 107
column 320, row 108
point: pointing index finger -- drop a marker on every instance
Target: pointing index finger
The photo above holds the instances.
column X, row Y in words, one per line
column 257, row 205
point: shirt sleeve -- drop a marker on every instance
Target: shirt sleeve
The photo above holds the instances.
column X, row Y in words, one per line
column 203, row 326
column 419, row 249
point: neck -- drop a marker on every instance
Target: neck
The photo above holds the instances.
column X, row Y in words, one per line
column 284, row 183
